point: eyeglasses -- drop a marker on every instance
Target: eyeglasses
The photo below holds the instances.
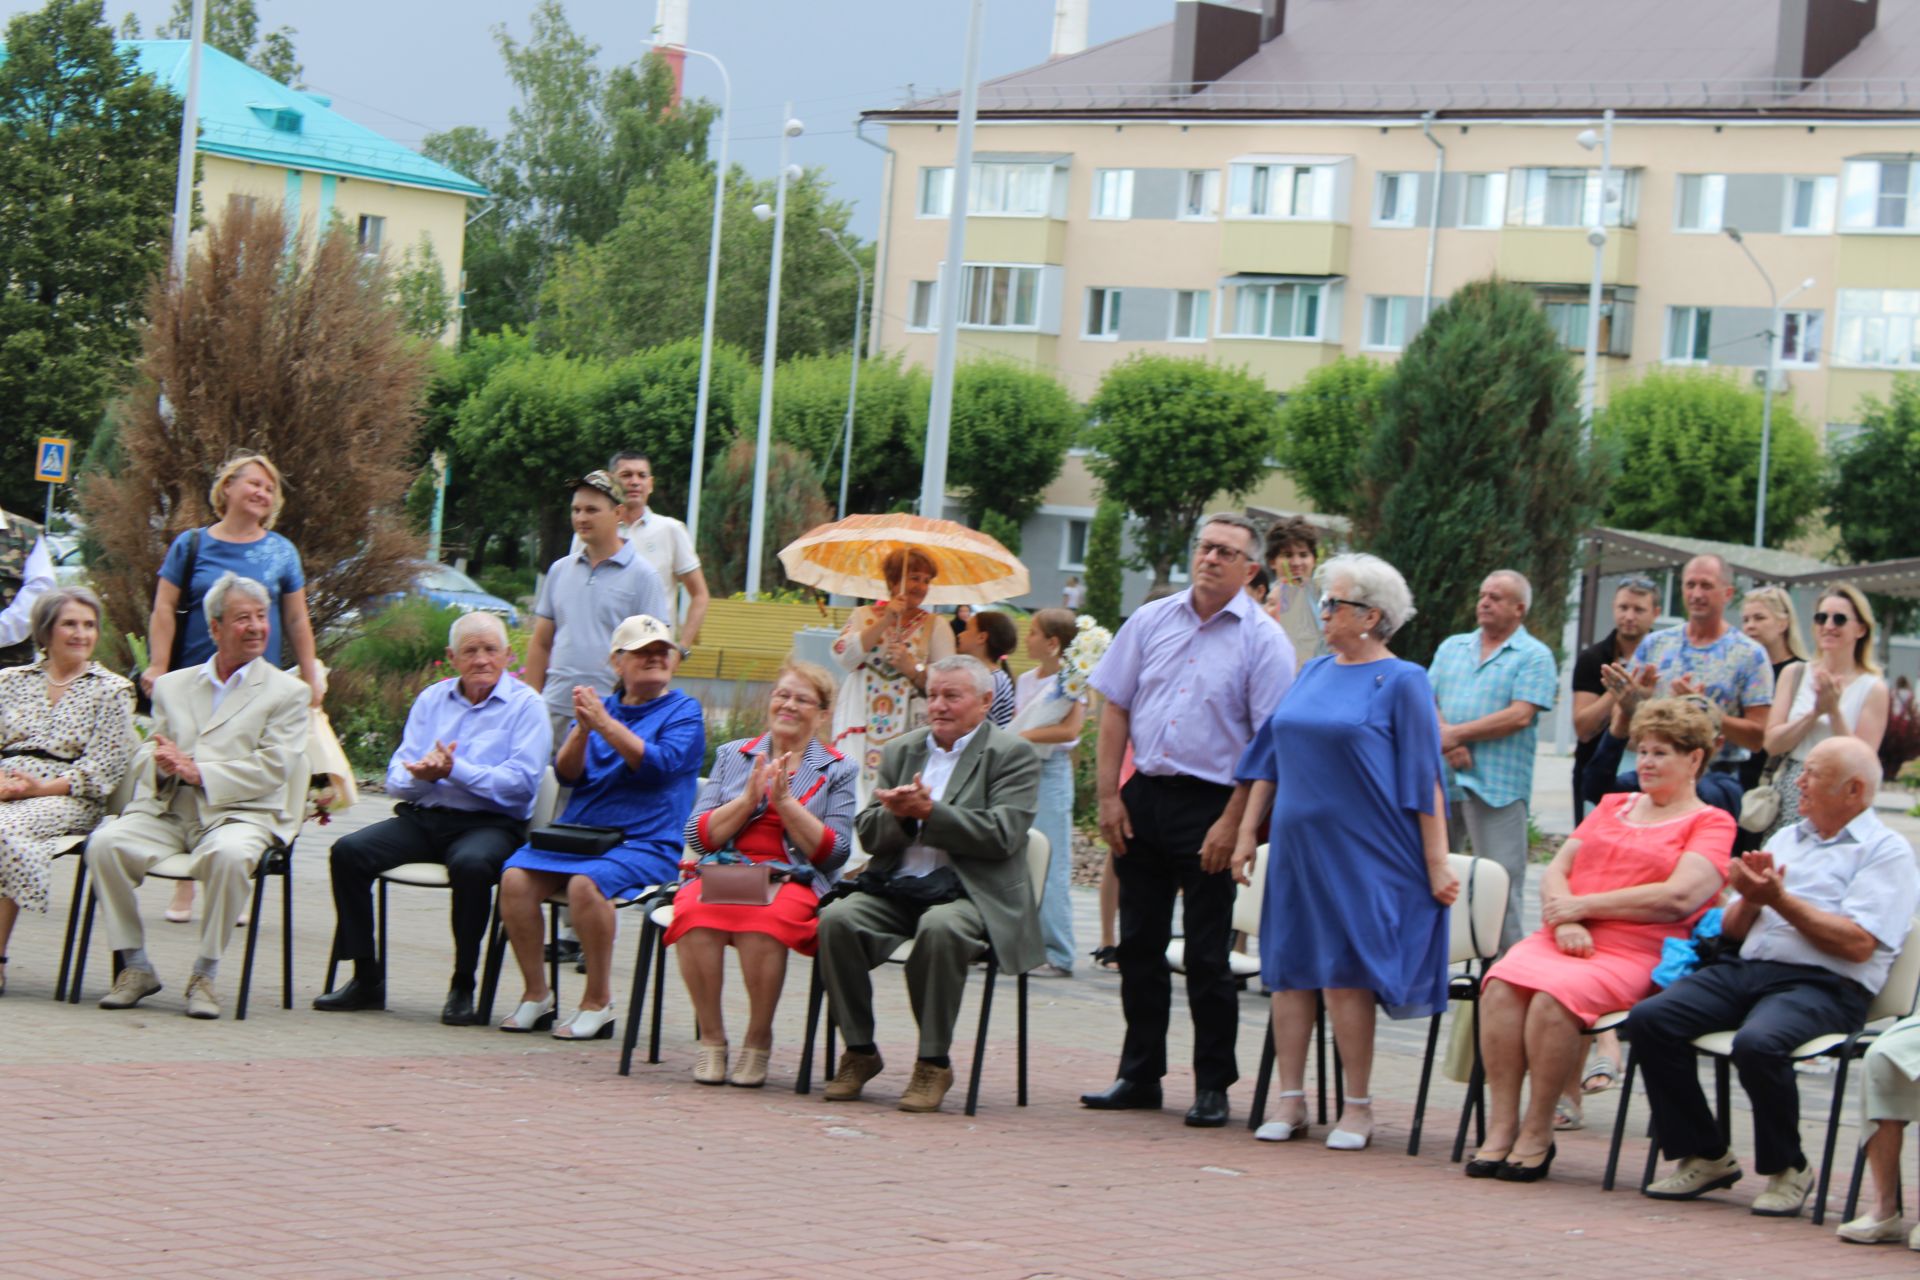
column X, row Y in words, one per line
column 797, row 699
column 1329, row 604
column 1220, row 550
column 1837, row 619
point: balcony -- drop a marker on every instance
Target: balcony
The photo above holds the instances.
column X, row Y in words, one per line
column 1284, row 248
column 1562, row 253
column 1279, row 364
column 1038, row 240
column 1877, row 262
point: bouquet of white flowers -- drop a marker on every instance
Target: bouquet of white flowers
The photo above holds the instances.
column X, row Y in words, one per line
column 1082, row 656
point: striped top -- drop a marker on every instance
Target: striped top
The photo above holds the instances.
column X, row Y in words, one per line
column 823, row 781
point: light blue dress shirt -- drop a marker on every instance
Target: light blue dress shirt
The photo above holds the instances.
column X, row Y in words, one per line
column 501, row 748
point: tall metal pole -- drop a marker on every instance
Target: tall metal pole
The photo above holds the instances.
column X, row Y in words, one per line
column 698, row 472
column 1776, row 325
column 189, row 143
column 1590, row 380
column 853, row 384
column 757, row 529
column 933, row 472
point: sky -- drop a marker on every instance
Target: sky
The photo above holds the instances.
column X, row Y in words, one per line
column 408, row 68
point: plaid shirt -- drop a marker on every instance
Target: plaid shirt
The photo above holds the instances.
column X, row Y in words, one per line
column 1520, row 670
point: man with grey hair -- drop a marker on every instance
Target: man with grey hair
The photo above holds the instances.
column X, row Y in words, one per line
column 947, row 828
column 1490, row 685
column 223, row 778
column 466, row 774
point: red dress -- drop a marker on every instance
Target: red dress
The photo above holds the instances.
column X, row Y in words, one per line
column 1617, row 854
column 789, row 918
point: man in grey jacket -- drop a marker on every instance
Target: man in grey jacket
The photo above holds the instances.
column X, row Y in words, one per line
column 947, row 828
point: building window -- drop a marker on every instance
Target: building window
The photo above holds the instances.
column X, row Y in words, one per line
column 1800, row 338
column 1483, row 201
column 1190, row 308
column 1073, row 544
column 1840, row 435
column 1386, row 324
column 1569, row 198
column 936, row 192
column 1001, row 297
column 1394, row 198
column 1290, row 310
column 1565, row 310
column 1810, row 206
column 1878, row 329
column 1012, row 190
column 1568, row 320
column 1113, row 193
column 1103, row 314
column 242, row 204
column 373, row 229
column 1879, row 196
column 1700, row 202
column 1298, row 191
column 1200, row 195
column 1689, row 334
column 923, row 305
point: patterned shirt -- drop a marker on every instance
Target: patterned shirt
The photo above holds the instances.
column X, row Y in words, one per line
column 1467, row 688
column 1733, row 671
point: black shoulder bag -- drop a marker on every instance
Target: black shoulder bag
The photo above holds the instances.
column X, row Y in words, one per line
column 182, row 611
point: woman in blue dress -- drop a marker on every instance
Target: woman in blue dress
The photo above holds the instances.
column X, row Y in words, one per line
column 633, row 761
column 1358, row 883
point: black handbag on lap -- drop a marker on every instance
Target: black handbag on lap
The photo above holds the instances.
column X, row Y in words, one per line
column 572, row 838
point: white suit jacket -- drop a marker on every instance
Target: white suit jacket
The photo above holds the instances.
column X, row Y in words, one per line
column 252, row 752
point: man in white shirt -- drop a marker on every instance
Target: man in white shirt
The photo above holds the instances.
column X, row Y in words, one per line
column 26, row 574
column 947, row 828
column 1812, row 957
column 662, row 542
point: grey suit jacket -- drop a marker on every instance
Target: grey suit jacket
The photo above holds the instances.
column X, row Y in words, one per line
column 252, row 752
column 981, row 822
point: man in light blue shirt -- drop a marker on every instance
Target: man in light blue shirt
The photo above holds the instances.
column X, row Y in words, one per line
column 466, row 775
column 1490, row 685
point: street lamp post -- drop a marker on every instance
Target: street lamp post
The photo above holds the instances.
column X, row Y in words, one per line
column 853, row 385
column 1775, row 323
column 1596, row 236
column 189, row 144
column 757, row 529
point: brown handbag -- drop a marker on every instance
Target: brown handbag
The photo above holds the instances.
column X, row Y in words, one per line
column 737, row 884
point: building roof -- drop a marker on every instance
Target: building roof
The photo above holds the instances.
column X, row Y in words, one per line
column 1356, row 57
column 248, row 115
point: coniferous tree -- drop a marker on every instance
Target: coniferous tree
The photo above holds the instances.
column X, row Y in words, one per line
column 1106, row 567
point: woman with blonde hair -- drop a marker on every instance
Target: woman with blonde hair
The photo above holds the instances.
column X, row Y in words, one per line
column 885, row 648
column 1837, row 694
column 246, row 496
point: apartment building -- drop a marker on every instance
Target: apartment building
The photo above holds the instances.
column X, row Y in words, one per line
column 1279, row 184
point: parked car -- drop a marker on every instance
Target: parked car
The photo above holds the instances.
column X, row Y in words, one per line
column 448, row 587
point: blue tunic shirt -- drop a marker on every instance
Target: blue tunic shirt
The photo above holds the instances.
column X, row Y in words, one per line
column 272, row 561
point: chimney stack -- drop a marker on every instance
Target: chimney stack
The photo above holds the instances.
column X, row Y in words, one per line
column 670, row 33
column 1273, row 19
column 1816, row 34
column 1209, row 40
column 1069, row 27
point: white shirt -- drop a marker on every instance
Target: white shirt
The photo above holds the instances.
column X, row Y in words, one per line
column 36, row 579
column 1865, row 873
column 919, row 860
column 222, row 688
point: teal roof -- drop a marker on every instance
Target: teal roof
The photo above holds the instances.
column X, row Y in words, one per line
column 248, row 115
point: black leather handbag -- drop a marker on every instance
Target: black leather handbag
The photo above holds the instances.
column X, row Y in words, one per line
column 572, row 838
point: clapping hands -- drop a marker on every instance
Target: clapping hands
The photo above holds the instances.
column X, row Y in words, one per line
column 171, row 761
column 588, row 710
column 913, row 801
column 436, row 765
column 1757, row 879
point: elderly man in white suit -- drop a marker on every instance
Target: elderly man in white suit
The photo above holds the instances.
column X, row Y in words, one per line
column 222, row 778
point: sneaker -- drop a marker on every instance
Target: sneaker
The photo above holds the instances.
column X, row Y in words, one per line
column 130, row 988
column 1694, row 1177
column 201, row 1001
column 1786, row 1192
column 927, row 1088
column 1867, row 1229
column 855, row 1070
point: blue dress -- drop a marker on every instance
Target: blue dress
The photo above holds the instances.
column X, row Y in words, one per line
column 271, row 561
column 1354, row 753
column 650, row 803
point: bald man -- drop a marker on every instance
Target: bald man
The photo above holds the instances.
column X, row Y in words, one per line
column 1821, row 913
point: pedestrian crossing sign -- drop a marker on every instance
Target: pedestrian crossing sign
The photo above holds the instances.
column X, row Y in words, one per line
column 55, row 456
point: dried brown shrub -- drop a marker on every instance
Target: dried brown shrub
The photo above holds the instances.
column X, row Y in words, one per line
column 289, row 348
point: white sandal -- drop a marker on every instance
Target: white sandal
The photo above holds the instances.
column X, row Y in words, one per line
column 1281, row 1130
column 1347, row 1140
column 587, row 1024
column 532, row 1015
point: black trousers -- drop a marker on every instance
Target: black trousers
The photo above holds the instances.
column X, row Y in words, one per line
column 1777, row 1007
column 1170, row 818
column 473, row 846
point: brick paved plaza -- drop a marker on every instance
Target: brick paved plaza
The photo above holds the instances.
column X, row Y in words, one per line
column 312, row 1145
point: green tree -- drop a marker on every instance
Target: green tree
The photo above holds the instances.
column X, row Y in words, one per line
column 1106, row 562
column 1002, row 528
column 795, row 504
column 647, row 400
column 420, row 291
column 87, row 157
column 1478, row 464
column 233, row 27
column 1011, row 429
column 475, row 519
column 889, row 428
column 1875, row 477
column 1169, row 434
column 1325, row 426
column 1688, row 442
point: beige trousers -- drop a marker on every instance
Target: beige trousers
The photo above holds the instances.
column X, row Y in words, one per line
column 222, row 859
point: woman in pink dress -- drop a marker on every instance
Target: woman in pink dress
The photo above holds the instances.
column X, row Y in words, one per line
column 1641, row 869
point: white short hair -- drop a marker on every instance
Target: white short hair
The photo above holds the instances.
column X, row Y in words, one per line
column 215, row 604
column 970, row 666
column 1521, row 586
column 1373, row 582
column 477, row 620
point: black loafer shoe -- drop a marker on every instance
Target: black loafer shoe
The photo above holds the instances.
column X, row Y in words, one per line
column 353, row 998
column 1124, row 1095
column 1209, row 1109
column 458, row 1011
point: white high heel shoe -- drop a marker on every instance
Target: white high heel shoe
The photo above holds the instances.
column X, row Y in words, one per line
column 532, row 1015
column 1281, row 1130
column 587, row 1024
column 1347, row 1140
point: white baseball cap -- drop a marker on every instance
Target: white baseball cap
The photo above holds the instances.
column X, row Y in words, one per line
column 639, row 631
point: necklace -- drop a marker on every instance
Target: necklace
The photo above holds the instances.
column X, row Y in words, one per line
column 61, row 684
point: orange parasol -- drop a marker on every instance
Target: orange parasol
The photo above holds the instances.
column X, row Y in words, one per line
column 845, row 557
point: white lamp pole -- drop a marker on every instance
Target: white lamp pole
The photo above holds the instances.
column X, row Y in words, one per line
column 189, row 144
column 757, row 530
column 1775, row 323
column 1596, row 236
column 853, row 385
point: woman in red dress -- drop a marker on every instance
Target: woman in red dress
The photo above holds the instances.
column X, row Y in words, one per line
column 783, row 797
column 1641, row 869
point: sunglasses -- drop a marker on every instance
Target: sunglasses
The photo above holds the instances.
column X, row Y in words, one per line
column 1837, row 619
